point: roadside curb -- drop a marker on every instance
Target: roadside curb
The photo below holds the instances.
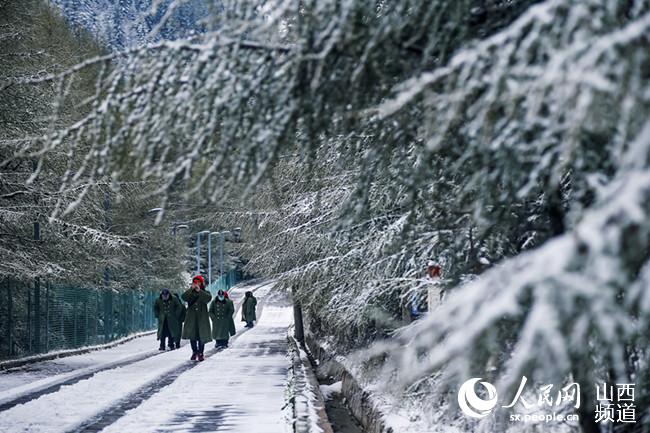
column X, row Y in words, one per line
column 13, row 363
column 308, row 403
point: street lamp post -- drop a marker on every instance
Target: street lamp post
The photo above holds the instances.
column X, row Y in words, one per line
column 198, row 250
column 210, row 256
column 175, row 227
column 221, row 241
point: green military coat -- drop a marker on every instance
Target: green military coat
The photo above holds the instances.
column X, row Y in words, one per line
column 197, row 322
column 181, row 317
column 248, row 309
column 223, row 326
column 168, row 310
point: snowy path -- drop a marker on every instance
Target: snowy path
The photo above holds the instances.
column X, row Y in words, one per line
column 76, row 407
column 19, row 385
column 240, row 389
column 23, row 384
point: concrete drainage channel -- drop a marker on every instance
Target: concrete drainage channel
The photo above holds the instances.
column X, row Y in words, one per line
column 357, row 401
column 339, row 414
column 319, row 404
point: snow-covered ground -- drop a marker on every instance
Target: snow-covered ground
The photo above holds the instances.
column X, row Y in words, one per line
column 244, row 383
column 35, row 376
column 32, row 376
column 240, row 389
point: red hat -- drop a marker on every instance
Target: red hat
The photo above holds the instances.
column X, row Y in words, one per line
column 200, row 279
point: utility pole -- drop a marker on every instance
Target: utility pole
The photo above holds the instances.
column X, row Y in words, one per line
column 198, row 250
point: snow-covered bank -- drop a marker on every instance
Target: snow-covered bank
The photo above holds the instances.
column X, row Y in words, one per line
column 378, row 411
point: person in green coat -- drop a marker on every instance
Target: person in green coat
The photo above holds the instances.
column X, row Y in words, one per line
column 223, row 325
column 248, row 309
column 197, row 322
column 166, row 309
column 181, row 318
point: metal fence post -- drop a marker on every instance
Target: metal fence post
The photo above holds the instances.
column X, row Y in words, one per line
column 37, row 315
column 61, row 311
column 11, row 322
column 29, row 320
column 47, row 317
column 132, row 312
column 37, row 298
column 108, row 316
column 86, row 322
column 98, row 315
column 75, row 339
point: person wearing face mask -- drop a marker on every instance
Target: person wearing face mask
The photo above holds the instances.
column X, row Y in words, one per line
column 223, row 325
column 166, row 309
column 197, row 322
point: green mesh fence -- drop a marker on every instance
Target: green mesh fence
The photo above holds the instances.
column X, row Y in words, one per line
column 224, row 282
column 41, row 317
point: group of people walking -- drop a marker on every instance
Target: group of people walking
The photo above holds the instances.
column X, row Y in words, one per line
column 176, row 321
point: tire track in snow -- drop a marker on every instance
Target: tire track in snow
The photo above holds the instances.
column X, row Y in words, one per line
column 25, row 398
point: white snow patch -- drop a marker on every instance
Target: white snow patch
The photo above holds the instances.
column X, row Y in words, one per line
column 329, row 390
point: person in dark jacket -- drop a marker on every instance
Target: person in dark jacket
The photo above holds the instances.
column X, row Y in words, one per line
column 223, row 325
column 166, row 309
column 248, row 309
column 181, row 318
column 197, row 322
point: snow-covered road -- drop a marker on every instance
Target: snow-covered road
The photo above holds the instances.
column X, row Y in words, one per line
column 238, row 389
